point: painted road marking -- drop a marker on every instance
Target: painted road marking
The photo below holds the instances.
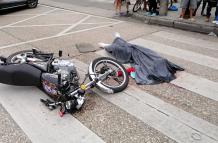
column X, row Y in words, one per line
column 199, row 85
column 73, row 25
column 44, row 25
column 187, row 40
column 107, row 24
column 168, row 119
column 178, row 53
column 45, row 13
column 39, row 123
column 77, row 12
column 55, row 36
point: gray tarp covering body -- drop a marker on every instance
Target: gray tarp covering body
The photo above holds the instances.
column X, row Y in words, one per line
column 149, row 66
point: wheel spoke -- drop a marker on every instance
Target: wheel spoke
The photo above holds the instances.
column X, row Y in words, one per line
column 117, row 80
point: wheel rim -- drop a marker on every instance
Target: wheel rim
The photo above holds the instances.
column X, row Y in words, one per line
column 32, row 3
column 113, row 80
column 20, row 58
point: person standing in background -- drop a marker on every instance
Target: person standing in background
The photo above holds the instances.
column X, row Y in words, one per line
column 152, row 8
column 216, row 14
column 211, row 4
column 190, row 5
column 117, row 5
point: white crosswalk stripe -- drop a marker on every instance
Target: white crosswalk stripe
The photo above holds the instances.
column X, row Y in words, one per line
column 187, row 40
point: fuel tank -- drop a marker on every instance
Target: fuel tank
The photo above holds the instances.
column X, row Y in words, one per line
column 20, row 75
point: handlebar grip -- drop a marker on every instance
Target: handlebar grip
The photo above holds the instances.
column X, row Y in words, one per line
column 59, row 79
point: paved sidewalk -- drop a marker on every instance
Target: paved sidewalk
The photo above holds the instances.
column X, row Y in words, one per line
column 172, row 20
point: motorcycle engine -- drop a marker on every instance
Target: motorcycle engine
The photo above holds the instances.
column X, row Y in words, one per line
column 69, row 77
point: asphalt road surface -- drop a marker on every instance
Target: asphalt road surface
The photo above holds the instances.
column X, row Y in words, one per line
column 184, row 110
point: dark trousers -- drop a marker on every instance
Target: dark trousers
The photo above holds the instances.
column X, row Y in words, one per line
column 216, row 13
column 152, row 6
column 210, row 5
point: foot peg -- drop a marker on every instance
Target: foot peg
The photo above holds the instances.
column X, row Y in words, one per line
column 50, row 104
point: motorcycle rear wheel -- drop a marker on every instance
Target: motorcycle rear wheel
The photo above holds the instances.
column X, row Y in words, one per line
column 13, row 58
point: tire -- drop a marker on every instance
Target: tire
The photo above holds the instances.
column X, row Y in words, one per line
column 102, row 86
column 10, row 58
column 32, row 3
column 137, row 5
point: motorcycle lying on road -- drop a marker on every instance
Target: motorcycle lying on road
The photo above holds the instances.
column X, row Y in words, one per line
column 59, row 78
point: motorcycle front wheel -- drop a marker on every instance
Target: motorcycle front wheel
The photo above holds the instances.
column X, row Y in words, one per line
column 115, row 82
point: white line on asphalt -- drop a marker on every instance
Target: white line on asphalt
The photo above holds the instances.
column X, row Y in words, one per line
column 187, row 40
column 179, row 53
column 84, row 30
column 115, row 20
column 196, row 84
column 73, row 25
column 98, row 23
column 199, row 85
column 39, row 123
column 44, row 25
column 8, row 15
column 177, row 124
column 45, row 13
column 46, row 38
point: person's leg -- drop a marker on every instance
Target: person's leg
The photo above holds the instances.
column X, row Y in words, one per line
column 150, row 6
column 117, row 4
column 155, row 6
column 192, row 7
column 184, row 5
column 209, row 7
column 127, row 6
column 182, row 13
column 191, row 13
column 216, row 12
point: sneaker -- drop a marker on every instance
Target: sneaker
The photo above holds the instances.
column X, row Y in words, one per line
column 215, row 20
column 148, row 14
column 192, row 19
column 153, row 14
